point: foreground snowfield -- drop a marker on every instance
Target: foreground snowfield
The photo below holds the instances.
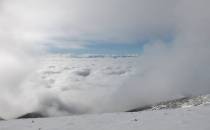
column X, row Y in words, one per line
column 193, row 118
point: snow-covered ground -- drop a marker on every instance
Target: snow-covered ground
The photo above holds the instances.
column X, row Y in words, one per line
column 193, row 118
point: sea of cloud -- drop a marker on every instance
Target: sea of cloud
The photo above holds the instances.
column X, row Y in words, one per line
column 64, row 85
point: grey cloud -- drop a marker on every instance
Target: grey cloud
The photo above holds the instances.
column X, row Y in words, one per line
column 119, row 21
column 176, row 70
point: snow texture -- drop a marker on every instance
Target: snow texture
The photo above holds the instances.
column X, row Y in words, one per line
column 194, row 118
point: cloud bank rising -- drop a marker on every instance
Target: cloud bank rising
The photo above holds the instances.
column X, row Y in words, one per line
column 166, row 70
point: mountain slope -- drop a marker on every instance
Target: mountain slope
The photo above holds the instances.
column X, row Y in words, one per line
column 193, row 118
column 176, row 103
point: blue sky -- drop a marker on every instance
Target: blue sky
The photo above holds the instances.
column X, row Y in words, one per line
column 102, row 48
column 96, row 47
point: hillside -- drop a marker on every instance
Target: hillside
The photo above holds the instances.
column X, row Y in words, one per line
column 193, row 118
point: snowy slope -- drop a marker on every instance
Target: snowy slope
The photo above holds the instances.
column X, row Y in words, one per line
column 194, row 118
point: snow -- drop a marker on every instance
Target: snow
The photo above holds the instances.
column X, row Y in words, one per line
column 194, row 118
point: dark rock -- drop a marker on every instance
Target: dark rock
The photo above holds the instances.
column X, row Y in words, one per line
column 172, row 104
column 32, row 115
column 176, row 103
column 1, row 119
column 140, row 109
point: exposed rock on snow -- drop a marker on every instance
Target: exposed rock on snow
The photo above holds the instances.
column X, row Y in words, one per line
column 194, row 118
column 177, row 103
column 183, row 102
column 32, row 115
column 140, row 109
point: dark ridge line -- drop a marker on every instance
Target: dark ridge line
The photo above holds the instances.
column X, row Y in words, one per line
column 32, row 115
column 140, row 109
column 1, row 119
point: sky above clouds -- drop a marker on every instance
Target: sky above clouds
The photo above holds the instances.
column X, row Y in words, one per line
column 76, row 24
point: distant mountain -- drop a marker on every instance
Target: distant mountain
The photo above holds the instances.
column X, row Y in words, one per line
column 100, row 56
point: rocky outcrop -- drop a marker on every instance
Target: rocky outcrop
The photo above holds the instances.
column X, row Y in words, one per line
column 32, row 115
column 177, row 103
